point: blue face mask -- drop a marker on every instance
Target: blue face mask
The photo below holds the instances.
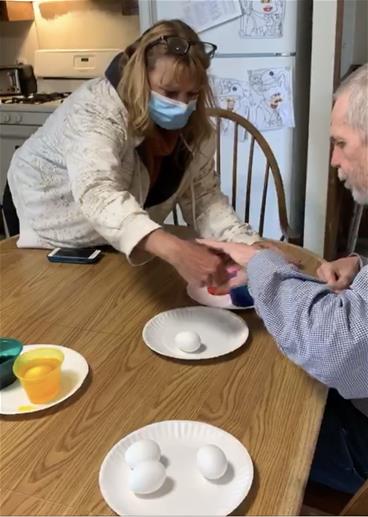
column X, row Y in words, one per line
column 169, row 113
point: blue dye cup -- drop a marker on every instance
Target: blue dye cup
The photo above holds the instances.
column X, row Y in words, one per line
column 240, row 296
column 9, row 351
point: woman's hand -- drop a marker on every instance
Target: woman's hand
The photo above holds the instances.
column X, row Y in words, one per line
column 340, row 273
column 197, row 264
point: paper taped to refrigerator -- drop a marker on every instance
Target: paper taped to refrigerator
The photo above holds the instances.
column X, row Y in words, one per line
column 271, row 98
column 266, row 99
column 262, row 19
column 205, row 14
column 231, row 95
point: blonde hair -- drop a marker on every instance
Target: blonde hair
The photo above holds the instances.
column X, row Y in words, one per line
column 134, row 88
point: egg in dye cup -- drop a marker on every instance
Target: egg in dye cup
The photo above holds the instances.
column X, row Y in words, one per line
column 39, row 372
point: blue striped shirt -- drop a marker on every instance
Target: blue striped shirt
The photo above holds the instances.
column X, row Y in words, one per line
column 324, row 333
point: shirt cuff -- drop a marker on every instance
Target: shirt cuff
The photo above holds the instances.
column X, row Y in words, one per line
column 265, row 258
column 261, row 267
column 139, row 227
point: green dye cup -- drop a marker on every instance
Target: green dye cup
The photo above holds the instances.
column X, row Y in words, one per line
column 9, row 350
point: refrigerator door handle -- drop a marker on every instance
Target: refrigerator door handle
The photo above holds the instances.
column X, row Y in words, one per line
column 257, row 54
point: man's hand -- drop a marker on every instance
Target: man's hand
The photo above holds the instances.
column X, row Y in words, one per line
column 239, row 253
column 266, row 245
column 339, row 274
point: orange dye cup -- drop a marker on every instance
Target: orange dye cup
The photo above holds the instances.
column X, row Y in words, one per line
column 39, row 372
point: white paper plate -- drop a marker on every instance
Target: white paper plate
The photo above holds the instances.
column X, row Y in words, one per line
column 185, row 491
column 14, row 400
column 223, row 301
column 221, row 332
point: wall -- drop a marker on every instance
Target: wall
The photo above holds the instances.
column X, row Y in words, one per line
column 355, row 34
column 17, row 39
column 84, row 24
column 68, row 24
column 321, row 89
column 360, row 36
column 301, row 109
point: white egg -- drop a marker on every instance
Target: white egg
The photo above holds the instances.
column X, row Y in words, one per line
column 211, row 461
column 142, row 450
column 188, row 341
column 147, row 477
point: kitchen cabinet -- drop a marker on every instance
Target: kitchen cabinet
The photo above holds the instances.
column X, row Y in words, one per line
column 16, row 11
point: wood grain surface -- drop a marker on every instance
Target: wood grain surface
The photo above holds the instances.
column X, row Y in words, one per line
column 50, row 460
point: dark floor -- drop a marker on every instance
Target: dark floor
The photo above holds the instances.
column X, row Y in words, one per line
column 325, row 499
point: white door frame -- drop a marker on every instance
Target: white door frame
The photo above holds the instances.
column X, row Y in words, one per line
column 321, row 92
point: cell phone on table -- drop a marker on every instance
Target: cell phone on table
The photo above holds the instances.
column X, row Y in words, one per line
column 75, row 255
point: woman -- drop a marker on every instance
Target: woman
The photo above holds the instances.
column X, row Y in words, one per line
column 111, row 162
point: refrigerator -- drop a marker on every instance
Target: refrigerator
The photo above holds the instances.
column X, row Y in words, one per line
column 263, row 55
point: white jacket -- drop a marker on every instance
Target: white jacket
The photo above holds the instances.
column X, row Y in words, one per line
column 79, row 182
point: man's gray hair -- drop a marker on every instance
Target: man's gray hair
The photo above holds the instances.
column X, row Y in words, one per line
column 356, row 85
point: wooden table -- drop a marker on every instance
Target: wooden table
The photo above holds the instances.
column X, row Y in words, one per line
column 50, row 460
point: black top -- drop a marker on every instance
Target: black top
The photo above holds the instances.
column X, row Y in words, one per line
column 171, row 173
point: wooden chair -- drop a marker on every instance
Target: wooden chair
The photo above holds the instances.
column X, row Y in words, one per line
column 271, row 165
column 220, row 117
column 357, row 505
column 354, row 227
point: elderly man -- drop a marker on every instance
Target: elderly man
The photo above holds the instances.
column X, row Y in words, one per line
column 322, row 325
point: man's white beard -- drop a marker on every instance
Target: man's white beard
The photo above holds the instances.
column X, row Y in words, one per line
column 359, row 197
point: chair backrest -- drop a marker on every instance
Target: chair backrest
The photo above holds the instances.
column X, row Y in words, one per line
column 256, row 140
column 354, row 227
column 358, row 505
column 9, row 214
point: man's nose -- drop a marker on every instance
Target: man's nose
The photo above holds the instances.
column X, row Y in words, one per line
column 335, row 160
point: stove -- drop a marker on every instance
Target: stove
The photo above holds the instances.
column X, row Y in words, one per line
column 58, row 73
column 36, row 98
